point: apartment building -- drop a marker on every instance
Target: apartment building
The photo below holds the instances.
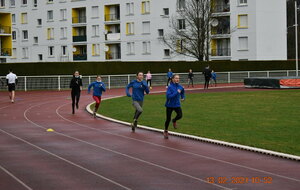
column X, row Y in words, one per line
column 132, row 30
column 5, row 36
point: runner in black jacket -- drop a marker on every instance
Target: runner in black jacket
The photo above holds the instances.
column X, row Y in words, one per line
column 207, row 76
column 76, row 86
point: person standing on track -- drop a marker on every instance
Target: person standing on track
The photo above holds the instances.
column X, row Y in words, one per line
column 148, row 79
column 98, row 88
column 207, row 76
column 169, row 75
column 213, row 77
column 139, row 88
column 76, row 86
column 175, row 94
column 191, row 78
column 11, row 81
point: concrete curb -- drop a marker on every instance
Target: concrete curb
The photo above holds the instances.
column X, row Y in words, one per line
column 202, row 139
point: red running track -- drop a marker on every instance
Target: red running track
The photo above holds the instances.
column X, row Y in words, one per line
column 87, row 153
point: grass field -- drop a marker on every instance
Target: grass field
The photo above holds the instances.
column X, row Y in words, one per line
column 264, row 119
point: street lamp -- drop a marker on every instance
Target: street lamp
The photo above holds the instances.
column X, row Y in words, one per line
column 296, row 36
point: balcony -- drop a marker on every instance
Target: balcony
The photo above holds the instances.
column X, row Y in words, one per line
column 80, row 57
column 220, row 31
column 5, row 52
column 5, row 29
column 221, row 8
column 79, row 38
column 112, row 17
column 221, row 52
column 113, row 37
column 113, row 55
column 79, row 20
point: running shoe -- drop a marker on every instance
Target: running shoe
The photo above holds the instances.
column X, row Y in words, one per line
column 174, row 124
column 134, row 125
column 12, row 101
column 166, row 135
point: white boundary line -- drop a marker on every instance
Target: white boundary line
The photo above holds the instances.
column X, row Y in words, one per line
column 17, row 179
column 208, row 140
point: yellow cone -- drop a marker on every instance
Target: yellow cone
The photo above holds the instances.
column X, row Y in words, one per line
column 50, row 130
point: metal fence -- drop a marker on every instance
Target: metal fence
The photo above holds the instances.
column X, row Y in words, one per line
column 116, row 81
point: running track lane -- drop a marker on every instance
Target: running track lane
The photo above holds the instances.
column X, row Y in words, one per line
column 87, row 153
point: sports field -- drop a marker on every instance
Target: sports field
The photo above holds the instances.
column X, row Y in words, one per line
column 264, row 119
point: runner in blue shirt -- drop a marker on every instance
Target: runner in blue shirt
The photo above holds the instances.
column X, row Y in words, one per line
column 139, row 88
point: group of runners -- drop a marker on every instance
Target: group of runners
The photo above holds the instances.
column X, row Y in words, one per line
column 175, row 93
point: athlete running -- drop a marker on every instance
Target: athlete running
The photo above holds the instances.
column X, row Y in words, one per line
column 98, row 88
column 76, row 86
column 175, row 94
column 11, row 81
column 139, row 88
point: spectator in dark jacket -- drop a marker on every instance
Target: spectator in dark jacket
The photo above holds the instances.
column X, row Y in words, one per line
column 207, row 76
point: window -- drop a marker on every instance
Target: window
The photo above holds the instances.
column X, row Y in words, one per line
column 63, row 14
column 40, row 57
column 167, row 52
column 95, row 30
column 35, row 40
column 180, row 4
column 24, row 2
column 14, row 35
column 24, row 34
column 50, row 33
column 243, row 21
column 14, row 53
column 146, row 47
column 145, row 7
column 160, row 32
column 243, row 43
column 180, row 45
column 242, row 2
column 2, row 3
column 129, row 8
column 166, row 11
column 181, row 24
column 13, row 18
column 25, row 52
column 39, row 22
column 51, row 51
column 63, row 33
column 64, row 50
column 95, row 49
column 146, row 27
column 95, row 12
column 34, row 3
column 24, row 18
column 130, row 48
column 12, row 3
column 50, row 15
column 129, row 28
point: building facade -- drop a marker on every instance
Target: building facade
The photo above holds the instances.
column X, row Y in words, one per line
column 5, row 36
column 132, row 30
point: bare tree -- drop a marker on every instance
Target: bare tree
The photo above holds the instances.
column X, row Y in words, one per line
column 189, row 34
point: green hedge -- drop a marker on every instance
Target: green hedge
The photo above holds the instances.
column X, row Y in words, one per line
column 91, row 68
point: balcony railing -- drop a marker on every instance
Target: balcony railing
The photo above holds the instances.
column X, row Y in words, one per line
column 79, row 38
column 221, row 52
column 113, row 55
column 221, row 8
column 112, row 17
column 5, row 29
column 5, row 52
column 77, row 20
column 79, row 57
column 219, row 30
column 113, row 37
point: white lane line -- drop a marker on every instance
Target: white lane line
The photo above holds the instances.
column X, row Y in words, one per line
column 65, row 160
column 13, row 176
column 122, row 154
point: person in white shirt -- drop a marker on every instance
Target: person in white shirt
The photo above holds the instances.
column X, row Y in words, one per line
column 11, row 81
